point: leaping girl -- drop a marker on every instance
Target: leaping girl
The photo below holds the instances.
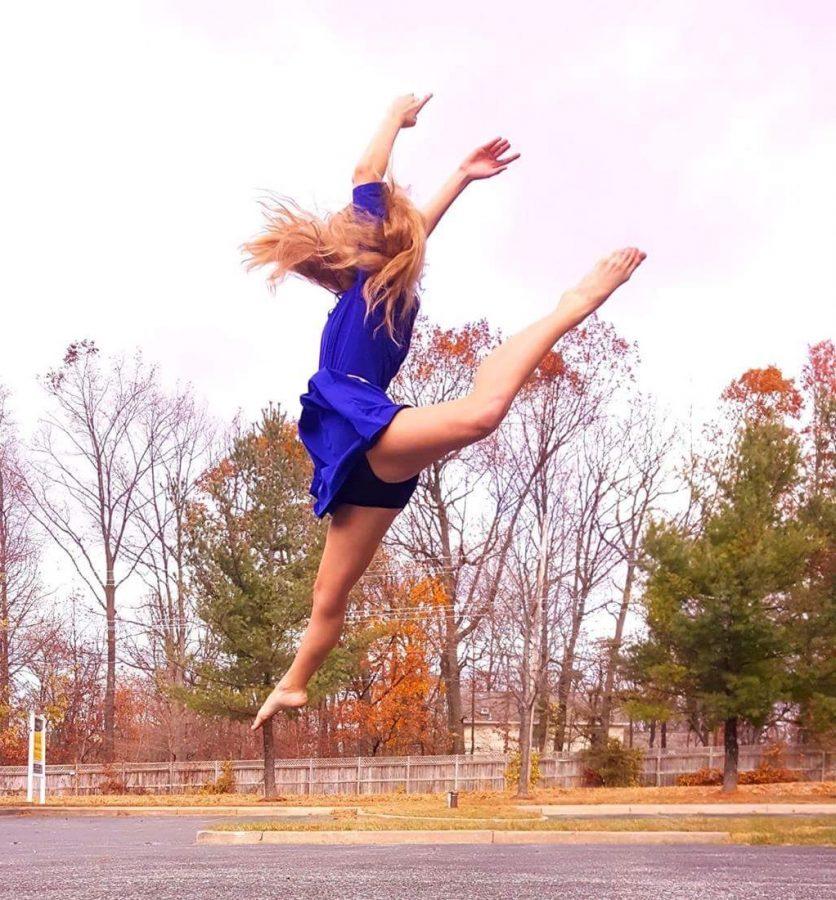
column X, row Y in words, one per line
column 368, row 451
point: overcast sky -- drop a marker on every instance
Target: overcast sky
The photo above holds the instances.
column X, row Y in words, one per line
column 138, row 136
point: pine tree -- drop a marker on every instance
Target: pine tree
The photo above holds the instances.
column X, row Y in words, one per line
column 717, row 600
column 254, row 547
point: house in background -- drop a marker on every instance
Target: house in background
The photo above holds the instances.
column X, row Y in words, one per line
column 492, row 723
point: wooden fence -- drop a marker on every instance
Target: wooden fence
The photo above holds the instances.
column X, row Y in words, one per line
column 379, row 775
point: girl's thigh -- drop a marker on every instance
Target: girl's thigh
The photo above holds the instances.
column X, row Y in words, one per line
column 354, row 534
column 418, row 436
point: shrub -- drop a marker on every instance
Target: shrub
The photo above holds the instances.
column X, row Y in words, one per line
column 704, row 777
column 612, row 765
column 512, row 771
column 112, row 783
column 224, row 783
column 770, row 770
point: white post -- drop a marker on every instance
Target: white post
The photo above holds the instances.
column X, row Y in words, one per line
column 43, row 764
column 407, row 774
column 30, row 793
column 456, row 774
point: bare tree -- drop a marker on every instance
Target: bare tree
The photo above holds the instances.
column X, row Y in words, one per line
column 90, row 457
column 640, row 483
column 21, row 593
column 179, row 440
column 529, row 583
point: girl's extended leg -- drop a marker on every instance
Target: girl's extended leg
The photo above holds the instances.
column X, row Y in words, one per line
column 419, row 436
column 354, row 535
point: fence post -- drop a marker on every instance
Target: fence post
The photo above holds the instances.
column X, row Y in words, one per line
column 658, row 767
column 407, row 774
column 456, row 774
column 310, row 776
column 710, row 756
column 359, row 783
column 171, row 776
column 823, row 765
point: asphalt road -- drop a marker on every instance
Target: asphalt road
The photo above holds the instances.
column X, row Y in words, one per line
column 128, row 858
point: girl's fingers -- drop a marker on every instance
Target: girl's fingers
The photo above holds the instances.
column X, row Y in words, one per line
column 508, row 160
column 424, row 102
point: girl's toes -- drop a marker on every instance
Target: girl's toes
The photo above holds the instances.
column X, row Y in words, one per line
column 637, row 259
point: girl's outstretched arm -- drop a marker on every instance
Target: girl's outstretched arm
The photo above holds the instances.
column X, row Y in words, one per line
column 485, row 162
column 403, row 113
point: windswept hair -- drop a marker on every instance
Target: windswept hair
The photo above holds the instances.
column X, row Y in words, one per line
column 331, row 251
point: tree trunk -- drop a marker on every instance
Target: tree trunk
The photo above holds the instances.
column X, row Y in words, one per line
column 603, row 729
column 730, row 760
column 525, row 750
column 543, row 721
column 5, row 649
column 663, row 735
column 5, row 616
column 451, row 676
column 564, row 689
column 109, row 743
column 178, row 718
column 652, row 739
column 566, row 679
column 269, row 760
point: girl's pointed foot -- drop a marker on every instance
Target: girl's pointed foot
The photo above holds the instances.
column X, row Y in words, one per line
column 281, row 697
column 606, row 276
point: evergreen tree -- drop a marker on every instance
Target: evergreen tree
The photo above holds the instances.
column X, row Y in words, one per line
column 813, row 672
column 718, row 601
column 254, row 548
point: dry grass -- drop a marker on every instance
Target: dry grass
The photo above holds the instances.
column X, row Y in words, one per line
column 812, row 830
column 795, row 792
column 791, row 792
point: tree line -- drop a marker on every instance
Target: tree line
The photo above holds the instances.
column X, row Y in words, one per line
column 593, row 555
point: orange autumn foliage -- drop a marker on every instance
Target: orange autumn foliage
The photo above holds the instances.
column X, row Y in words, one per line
column 393, row 712
column 391, row 706
column 763, row 394
column 447, row 354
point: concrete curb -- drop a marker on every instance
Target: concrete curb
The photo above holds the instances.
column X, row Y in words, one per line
column 229, row 838
column 559, row 811
column 310, row 813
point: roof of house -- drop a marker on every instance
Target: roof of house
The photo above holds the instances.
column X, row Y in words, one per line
column 502, row 708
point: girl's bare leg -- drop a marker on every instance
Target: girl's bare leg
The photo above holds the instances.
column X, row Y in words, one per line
column 414, row 439
column 419, row 436
column 354, row 534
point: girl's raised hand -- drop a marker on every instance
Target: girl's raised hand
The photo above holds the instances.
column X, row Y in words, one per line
column 488, row 160
column 406, row 109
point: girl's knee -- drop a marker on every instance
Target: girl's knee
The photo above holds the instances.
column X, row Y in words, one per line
column 328, row 602
column 486, row 415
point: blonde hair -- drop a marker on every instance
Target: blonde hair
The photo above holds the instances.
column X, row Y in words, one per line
column 331, row 250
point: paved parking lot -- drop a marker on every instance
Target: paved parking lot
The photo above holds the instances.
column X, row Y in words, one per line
column 127, row 858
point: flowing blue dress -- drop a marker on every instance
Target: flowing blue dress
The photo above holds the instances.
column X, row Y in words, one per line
column 346, row 408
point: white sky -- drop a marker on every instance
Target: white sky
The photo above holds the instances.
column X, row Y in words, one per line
column 138, row 136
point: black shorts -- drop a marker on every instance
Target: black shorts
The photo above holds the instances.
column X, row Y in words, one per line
column 364, row 488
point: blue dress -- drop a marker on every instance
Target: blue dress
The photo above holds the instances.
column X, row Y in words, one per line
column 346, row 409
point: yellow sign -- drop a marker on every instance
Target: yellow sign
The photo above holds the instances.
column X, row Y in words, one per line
column 38, row 747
